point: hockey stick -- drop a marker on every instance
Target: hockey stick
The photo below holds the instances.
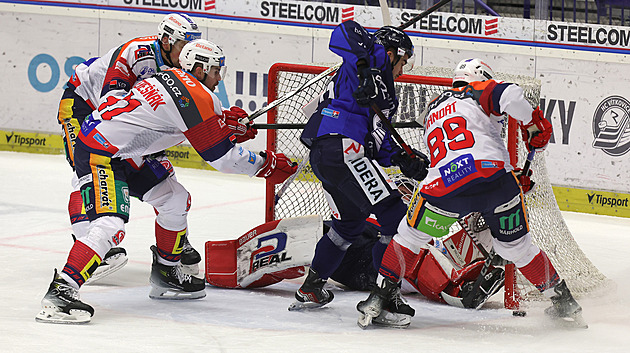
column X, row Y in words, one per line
column 282, row 99
column 392, row 131
column 290, row 179
column 387, row 19
column 528, row 162
column 400, row 125
column 424, row 14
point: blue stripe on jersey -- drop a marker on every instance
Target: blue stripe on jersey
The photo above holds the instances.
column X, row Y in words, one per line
column 217, row 151
column 497, row 92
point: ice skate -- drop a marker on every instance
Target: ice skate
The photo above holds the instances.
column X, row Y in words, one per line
column 169, row 282
column 385, row 307
column 312, row 294
column 61, row 304
column 565, row 307
column 190, row 259
column 113, row 261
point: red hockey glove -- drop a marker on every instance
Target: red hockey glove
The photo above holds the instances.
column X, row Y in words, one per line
column 277, row 167
column 526, row 182
column 537, row 133
column 243, row 132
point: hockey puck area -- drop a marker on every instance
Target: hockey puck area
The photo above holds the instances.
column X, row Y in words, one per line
column 519, row 313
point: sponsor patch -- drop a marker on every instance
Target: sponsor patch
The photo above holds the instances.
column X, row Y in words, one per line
column 458, row 169
column 489, row 164
column 370, row 179
column 330, row 113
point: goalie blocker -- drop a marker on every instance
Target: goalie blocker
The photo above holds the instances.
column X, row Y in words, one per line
column 282, row 249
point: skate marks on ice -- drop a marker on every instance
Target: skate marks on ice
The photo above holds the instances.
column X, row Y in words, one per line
column 266, row 308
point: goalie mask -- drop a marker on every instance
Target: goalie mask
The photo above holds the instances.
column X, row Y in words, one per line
column 392, row 37
column 178, row 26
column 204, row 53
column 471, row 70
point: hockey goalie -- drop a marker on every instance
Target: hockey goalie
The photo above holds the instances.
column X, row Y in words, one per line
column 458, row 269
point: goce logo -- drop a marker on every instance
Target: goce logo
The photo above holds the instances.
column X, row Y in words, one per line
column 611, row 127
column 270, row 250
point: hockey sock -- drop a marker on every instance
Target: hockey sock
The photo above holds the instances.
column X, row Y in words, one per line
column 396, row 260
column 540, row 272
column 82, row 262
column 328, row 255
column 378, row 250
column 169, row 243
column 78, row 218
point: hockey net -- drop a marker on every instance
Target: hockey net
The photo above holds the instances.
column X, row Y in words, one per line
column 304, row 194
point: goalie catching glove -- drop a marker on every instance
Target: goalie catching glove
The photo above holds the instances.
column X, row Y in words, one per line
column 367, row 90
column 414, row 167
column 537, row 133
column 232, row 119
column 277, row 167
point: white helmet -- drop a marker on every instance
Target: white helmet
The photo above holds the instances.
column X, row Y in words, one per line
column 203, row 52
column 178, row 26
column 471, row 70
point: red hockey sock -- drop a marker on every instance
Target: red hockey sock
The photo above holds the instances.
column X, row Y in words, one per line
column 169, row 242
column 540, row 272
column 396, row 260
column 75, row 208
column 81, row 263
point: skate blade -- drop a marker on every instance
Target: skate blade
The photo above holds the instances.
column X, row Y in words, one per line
column 299, row 306
column 192, row 270
column 572, row 321
column 53, row 316
column 388, row 319
column 174, row 294
column 114, row 264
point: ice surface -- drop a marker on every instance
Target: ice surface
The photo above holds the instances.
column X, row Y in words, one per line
column 35, row 238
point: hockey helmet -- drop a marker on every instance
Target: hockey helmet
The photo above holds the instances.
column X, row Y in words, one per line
column 392, row 37
column 471, row 70
column 203, row 52
column 178, row 26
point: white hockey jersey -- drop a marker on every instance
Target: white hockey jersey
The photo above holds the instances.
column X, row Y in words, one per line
column 118, row 70
column 463, row 134
column 161, row 112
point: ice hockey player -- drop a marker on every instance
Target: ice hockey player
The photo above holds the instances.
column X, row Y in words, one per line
column 158, row 112
column 114, row 74
column 349, row 146
column 470, row 172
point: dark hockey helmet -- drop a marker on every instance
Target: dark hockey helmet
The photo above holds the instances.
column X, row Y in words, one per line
column 392, row 37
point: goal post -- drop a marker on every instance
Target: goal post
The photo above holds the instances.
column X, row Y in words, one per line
column 304, row 195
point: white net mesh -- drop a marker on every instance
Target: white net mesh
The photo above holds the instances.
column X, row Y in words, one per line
column 304, row 196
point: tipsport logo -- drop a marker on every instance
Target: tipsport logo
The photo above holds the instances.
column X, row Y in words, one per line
column 611, row 126
column 270, row 250
column 602, row 200
column 20, row 140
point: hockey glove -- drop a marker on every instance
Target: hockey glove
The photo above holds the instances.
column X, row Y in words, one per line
column 524, row 179
column 367, row 90
column 414, row 168
column 537, row 133
column 232, row 119
column 277, row 167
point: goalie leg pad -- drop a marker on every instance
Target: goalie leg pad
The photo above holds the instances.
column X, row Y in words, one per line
column 279, row 249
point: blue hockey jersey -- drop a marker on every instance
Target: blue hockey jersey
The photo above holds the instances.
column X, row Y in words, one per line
column 338, row 112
